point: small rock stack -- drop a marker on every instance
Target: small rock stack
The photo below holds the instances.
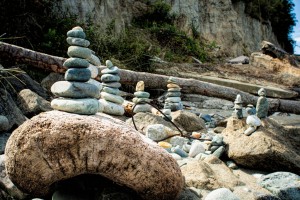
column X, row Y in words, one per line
column 238, row 107
column 76, row 95
column 110, row 98
column 173, row 100
column 141, row 96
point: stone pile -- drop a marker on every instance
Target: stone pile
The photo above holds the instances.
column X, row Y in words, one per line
column 141, row 96
column 238, row 107
column 252, row 121
column 110, row 94
column 75, row 94
column 262, row 105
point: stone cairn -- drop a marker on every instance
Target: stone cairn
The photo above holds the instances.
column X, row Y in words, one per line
column 252, row 120
column 141, row 96
column 262, row 105
column 238, row 112
column 173, row 100
column 110, row 94
column 75, row 94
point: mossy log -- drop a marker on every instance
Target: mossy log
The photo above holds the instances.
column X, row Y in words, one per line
column 152, row 81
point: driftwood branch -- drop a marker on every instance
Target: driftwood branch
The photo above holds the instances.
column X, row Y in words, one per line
column 55, row 64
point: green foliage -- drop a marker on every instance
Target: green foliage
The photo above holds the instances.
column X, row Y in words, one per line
column 279, row 13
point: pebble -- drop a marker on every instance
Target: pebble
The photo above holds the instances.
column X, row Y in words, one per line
column 76, row 63
column 110, row 78
column 196, row 135
column 110, row 90
column 74, row 89
column 218, row 153
column 253, row 120
column 206, row 117
column 140, row 86
column 138, row 100
column 172, row 85
column 78, row 74
column 231, row 165
column 142, row 108
column 94, row 60
column 142, row 94
column 217, row 140
column 85, row 106
column 165, row 145
column 109, row 64
column 112, row 98
column 96, row 83
column 173, row 94
column 176, row 156
column 112, row 70
column 157, row 132
column 112, row 108
column 179, row 151
column 173, row 99
column 79, row 52
column 76, row 33
column 94, row 71
column 78, row 42
column 112, row 84
column 196, row 148
column 178, row 89
column 178, row 140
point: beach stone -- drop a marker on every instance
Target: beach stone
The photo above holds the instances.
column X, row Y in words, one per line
column 219, row 151
column 74, row 89
column 172, row 79
column 112, row 108
column 142, row 94
column 178, row 141
column 176, row 156
column 173, row 99
column 109, row 64
column 76, row 33
column 140, row 86
column 217, row 140
column 94, row 71
column 189, row 121
column 221, row 194
column 173, row 94
column 4, row 123
column 189, row 194
column 172, row 85
column 97, row 144
column 96, row 83
column 76, row 63
column 157, row 132
column 94, row 60
column 85, row 106
column 110, row 78
column 78, row 42
column 174, row 89
column 78, row 74
column 110, row 90
column 175, row 106
column 284, row 185
column 142, row 108
column 112, row 84
column 79, row 52
column 262, row 105
column 138, row 100
column 165, row 145
column 112, row 98
column 179, row 151
column 112, row 70
column 196, row 148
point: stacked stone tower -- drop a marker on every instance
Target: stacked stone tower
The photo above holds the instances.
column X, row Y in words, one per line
column 75, row 94
column 173, row 100
column 141, row 96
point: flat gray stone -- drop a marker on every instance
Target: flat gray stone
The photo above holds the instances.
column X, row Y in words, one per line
column 78, row 42
column 173, row 94
column 86, row 106
column 110, row 78
column 111, row 108
column 79, row 52
column 4, row 123
column 138, row 100
column 112, row 98
column 112, row 70
column 112, row 84
column 76, row 63
column 93, row 59
column 76, row 33
column 74, row 89
column 141, row 94
column 142, row 108
column 173, row 99
column 110, row 90
column 78, row 74
column 174, row 89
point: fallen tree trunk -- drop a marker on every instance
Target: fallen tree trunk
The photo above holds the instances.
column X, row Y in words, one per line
column 55, row 64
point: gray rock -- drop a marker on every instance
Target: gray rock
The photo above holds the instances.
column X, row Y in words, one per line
column 111, row 108
column 173, row 106
column 94, row 70
column 284, row 185
column 112, row 98
column 221, row 194
column 110, row 78
column 93, row 59
column 32, row 104
column 142, row 108
column 173, row 94
column 96, row 83
column 189, row 121
column 217, row 140
column 112, row 70
column 74, row 89
column 157, row 132
column 78, row 41
column 76, row 63
column 85, row 106
column 110, row 90
column 112, row 84
column 178, row 141
column 79, row 52
column 196, row 148
column 138, row 100
column 262, row 107
column 49, row 80
column 206, row 117
column 173, row 99
column 76, row 33
column 142, row 94
column 78, row 74
column 240, row 60
column 266, row 197
column 4, row 123
column 218, row 153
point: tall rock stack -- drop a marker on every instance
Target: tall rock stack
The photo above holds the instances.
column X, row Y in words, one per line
column 110, row 94
column 75, row 94
column 173, row 100
column 140, row 97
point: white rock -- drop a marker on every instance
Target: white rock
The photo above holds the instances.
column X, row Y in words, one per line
column 196, row 148
column 157, row 132
column 253, row 120
column 93, row 59
column 94, row 70
column 176, row 156
column 178, row 140
column 221, row 194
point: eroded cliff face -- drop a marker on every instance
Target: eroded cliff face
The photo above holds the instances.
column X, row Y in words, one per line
column 217, row 21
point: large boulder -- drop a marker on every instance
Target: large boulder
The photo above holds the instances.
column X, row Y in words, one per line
column 189, row 121
column 269, row 148
column 55, row 146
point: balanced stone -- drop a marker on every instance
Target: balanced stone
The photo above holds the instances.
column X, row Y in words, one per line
column 172, row 80
column 112, row 98
column 94, row 71
column 140, row 86
column 174, row 89
column 97, row 84
column 93, row 59
column 142, row 108
column 85, row 106
column 76, row 63
column 139, row 100
column 110, row 78
column 111, row 90
column 262, row 105
column 112, row 108
column 78, row 42
column 77, row 33
column 109, row 64
column 172, row 85
column 173, row 94
column 173, row 99
column 142, row 94
column 78, row 74
column 112, row 70
column 74, row 89
column 79, row 52
column 112, row 84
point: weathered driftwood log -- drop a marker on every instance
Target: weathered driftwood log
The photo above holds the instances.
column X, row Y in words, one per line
column 54, row 63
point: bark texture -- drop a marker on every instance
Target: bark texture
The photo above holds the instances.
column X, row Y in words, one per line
column 55, row 146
